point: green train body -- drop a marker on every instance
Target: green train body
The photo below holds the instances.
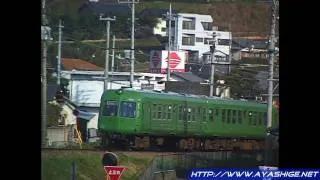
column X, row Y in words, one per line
column 128, row 114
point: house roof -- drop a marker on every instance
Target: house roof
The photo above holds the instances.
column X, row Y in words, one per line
column 80, row 65
column 105, row 8
column 188, row 76
column 248, row 43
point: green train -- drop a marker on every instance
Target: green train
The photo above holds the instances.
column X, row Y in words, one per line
column 143, row 119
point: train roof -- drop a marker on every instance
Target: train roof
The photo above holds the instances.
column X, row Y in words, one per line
column 194, row 98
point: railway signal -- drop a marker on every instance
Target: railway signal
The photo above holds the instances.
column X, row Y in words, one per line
column 114, row 172
column 110, row 165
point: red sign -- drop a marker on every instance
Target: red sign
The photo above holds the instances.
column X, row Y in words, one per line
column 114, row 172
column 174, row 60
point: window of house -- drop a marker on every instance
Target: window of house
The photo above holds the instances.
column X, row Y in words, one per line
column 188, row 25
column 224, row 42
column 207, row 26
column 208, row 41
column 163, row 29
column 199, row 39
column 188, row 40
column 128, row 109
column 110, row 108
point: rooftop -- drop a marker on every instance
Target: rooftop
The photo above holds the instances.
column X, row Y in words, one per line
column 80, row 65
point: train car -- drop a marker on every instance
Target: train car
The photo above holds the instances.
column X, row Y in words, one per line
column 144, row 119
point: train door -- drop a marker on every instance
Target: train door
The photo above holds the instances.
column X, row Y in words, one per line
column 146, row 116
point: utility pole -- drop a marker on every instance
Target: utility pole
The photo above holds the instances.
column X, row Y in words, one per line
column 45, row 36
column 59, row 53
column 132, row 2
column 230, row 44
column 169, row 43
column 212, row 49
column 271, row 51
column 106, row 69
column 112, row 60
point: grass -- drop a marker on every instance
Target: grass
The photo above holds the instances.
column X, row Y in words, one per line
column 58, row 165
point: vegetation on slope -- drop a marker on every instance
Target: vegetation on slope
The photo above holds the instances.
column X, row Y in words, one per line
column 58, row 165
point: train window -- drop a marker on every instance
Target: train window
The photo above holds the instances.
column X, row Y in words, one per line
column 229, row 115
column 159, row 112
column 193, row 114
column 154, row 111
column 164, row 114
column 210, row 112
column 234, row 116
column 223, row 115
column 254, row 118
column 260, row 118
column 240, row 116
column 110, row 108
column 189, row 114
column 217, row 113
column 265, row 118
column 180, row 113
column 169, row 111
column 128, row 109
column 250, row 117
column 204, row 114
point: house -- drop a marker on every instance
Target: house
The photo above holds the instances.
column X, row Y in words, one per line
column 62, row 132
column 193, row 33
column 248, row 48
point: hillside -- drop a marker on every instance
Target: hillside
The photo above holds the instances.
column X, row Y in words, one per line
column 244, row 17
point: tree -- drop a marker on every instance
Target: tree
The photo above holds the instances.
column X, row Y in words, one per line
column 53, row 114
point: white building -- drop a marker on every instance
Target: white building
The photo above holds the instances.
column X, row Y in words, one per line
column 193, row 33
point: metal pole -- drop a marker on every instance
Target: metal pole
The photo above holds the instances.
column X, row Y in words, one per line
column 169, row 45
column 132, row 45
column 212, row 65
column 230, row 54
column 132, row 38
column 59, row 54
column 44, row 77
column 74, row 173
column 271, row 50
column 112, row 60
column 106, row 69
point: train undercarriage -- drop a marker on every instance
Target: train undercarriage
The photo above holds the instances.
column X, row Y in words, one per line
column 176, row 143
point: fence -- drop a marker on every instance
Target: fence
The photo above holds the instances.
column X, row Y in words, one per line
column 177, row 166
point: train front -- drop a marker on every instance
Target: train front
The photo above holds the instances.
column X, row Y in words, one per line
column 118, row 116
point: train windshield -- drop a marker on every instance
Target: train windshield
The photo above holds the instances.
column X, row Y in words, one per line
column 110, row 108
column 128, row 109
